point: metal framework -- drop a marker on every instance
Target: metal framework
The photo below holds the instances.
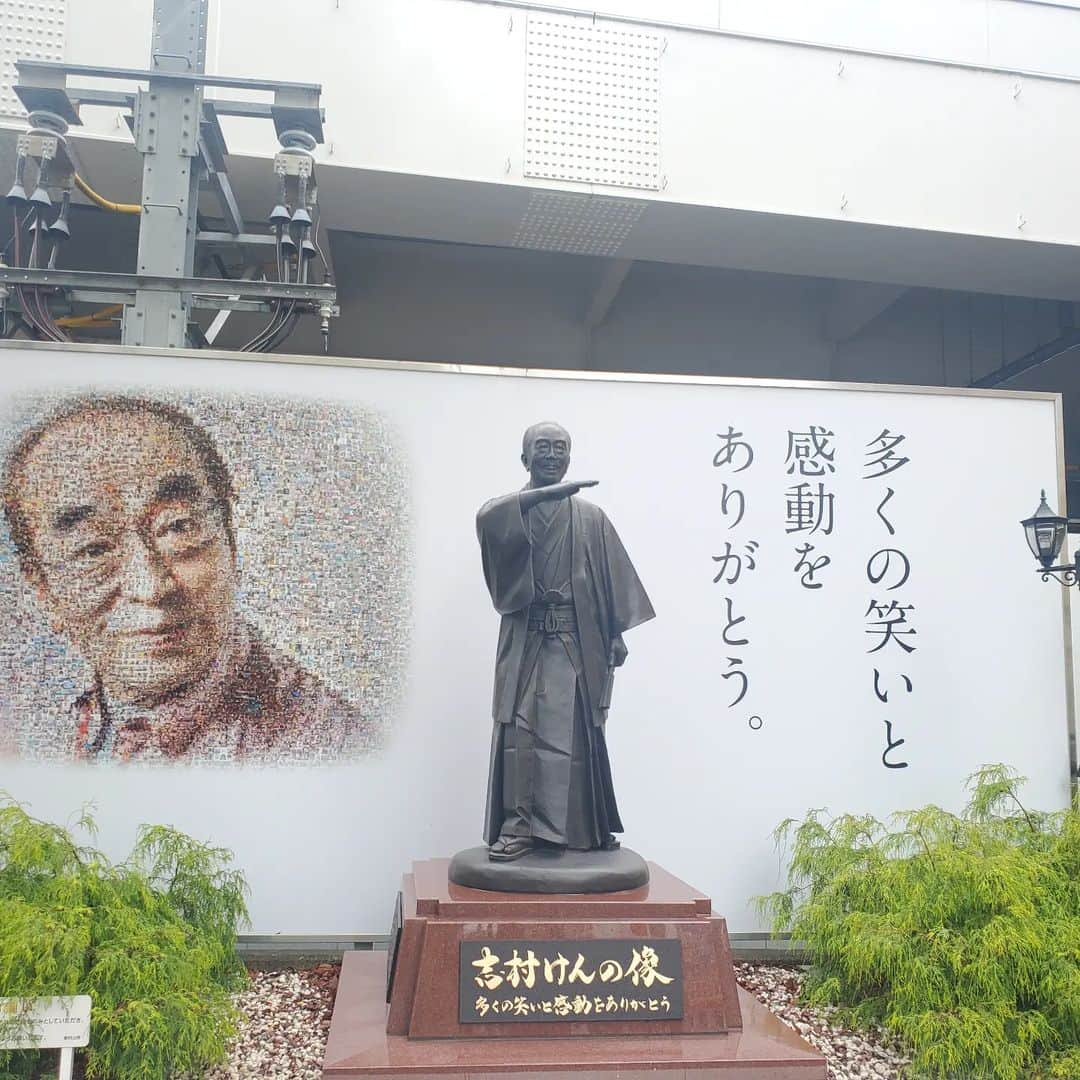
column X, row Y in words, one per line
column 178, row 133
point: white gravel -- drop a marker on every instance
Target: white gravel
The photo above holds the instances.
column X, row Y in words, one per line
column 862, row 1055
column 283, row 1035
column 287, row 1016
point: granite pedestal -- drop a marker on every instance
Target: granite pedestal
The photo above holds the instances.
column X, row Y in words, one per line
column 411, row 1020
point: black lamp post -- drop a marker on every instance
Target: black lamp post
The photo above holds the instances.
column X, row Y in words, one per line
column 1045, row 532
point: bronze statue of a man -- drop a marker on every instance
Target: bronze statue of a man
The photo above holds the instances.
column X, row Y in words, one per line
column 567, row 591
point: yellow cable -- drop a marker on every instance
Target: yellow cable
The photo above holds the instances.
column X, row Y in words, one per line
column 105, row 204
column 95, row 318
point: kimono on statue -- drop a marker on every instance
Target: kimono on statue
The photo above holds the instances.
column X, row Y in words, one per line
column 564, row 585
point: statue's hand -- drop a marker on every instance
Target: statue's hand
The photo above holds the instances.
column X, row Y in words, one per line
column 531, row 496
column 565, row 489
column 619, row 652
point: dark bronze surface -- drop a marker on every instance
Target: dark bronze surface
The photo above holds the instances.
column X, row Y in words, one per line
column 551, row 870
column 564, row 585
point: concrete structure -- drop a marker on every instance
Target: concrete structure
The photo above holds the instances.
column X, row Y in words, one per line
column 758, row 187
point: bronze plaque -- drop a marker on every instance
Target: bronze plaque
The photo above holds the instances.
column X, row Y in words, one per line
column 611, row 979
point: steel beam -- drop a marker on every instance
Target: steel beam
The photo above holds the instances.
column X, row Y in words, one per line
column 85, row 95
column 218, row 182
column 1036, row 358
column 188, row 286
column 177, row 134
column 119, row 99
column 216, row 236
column 36, row 71
column 167, row 119
column 205, row 303
column 217, row 324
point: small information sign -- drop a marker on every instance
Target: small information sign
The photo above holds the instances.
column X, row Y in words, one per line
column 44, row 1023
column 621, row 979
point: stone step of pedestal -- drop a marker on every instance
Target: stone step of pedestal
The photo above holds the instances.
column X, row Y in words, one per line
column 617, row 985
column 359, row 1048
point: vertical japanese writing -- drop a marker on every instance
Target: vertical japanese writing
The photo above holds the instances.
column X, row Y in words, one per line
column 735, row 455
column 810, row 507
column 888, row 619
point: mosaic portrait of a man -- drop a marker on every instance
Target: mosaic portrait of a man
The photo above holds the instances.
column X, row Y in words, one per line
column 145, row 617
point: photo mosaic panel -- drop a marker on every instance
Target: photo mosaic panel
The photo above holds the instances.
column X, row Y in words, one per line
column 191, row 577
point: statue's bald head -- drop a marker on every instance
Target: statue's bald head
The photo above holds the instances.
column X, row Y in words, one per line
column 549, row 429
column 545, row 452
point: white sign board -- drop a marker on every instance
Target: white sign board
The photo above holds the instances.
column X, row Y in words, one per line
column 846, row 612
column 44, row 1023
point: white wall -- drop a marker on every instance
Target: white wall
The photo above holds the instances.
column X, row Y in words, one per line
column 436, row 88
column 1007, row 33
column 700, row 787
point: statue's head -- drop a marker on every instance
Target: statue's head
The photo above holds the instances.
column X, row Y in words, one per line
column 545, row 452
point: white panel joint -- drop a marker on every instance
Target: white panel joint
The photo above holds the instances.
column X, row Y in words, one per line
column 592, row 103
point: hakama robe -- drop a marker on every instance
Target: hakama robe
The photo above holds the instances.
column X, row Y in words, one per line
column 561, row 562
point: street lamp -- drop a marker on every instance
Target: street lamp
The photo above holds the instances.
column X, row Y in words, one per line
column 1045, row 533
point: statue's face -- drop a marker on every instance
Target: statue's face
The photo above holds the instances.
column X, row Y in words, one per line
column 548, row 455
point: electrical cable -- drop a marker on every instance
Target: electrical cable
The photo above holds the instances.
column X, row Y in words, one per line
column 105, row 204
column 288, row 323
column 102, row 317
column 277, row 319
column 35, row 294
column 286, row 316
column 291, row 316
column 24, row 304
column 50, row 327
column 43, row 312
column 315, row 240
column 257, row 342
column 11, row 238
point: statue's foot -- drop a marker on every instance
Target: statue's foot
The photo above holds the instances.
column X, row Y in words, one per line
column 611, row 843
column 508, row 848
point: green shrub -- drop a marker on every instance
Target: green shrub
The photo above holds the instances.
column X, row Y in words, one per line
column 960, row 935
column 151, row 940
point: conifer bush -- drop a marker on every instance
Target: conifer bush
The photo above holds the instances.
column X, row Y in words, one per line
column 151, row 940
column 957, row 934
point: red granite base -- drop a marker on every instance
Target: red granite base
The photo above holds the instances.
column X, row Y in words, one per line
column 716, row 1029
column 358, row 1046
column 439, row 915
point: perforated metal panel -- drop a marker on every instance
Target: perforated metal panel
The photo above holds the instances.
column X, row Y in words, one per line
column 592, row 103
column 29, row 30
column 577, row 224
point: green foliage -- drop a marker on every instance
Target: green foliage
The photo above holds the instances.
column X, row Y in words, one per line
column 151, row 940
column 960, row 935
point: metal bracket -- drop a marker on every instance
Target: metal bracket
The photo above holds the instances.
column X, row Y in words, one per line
column 146, row 122
column 286, row 164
